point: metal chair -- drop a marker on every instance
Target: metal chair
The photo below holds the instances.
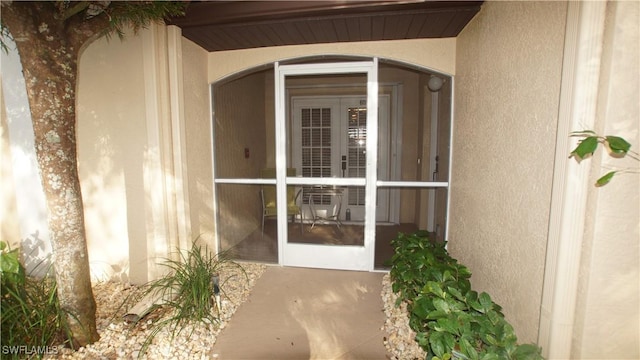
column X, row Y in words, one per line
column 268, row 198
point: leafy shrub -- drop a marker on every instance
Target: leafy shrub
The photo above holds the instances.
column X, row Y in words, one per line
column 32, row 319
column 615, row 146
column 451, row 321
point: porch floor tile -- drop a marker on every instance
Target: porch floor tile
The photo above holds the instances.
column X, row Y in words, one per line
column 301, row 313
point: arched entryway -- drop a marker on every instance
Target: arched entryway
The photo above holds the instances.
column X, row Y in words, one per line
column 318, row 152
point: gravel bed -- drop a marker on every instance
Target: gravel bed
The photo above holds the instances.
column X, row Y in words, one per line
column 122, row 340
column 400, row 341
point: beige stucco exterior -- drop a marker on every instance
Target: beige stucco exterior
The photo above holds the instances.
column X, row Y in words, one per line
column 503, row 151
column 198, row 144
column 608, row 307
column 128, row 168
column 9, row 228
column 439, row 54
column 145, row 152
column 110, row 152
column 506, row 174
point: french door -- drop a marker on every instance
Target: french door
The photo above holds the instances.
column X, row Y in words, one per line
column 329, row 138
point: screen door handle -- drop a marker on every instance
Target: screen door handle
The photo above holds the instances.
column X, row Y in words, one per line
column 344, row 164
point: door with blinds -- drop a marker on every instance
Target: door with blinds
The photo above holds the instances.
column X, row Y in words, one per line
column 329, row 140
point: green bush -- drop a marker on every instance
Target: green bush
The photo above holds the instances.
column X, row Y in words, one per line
column 32, row 321
column 451, row 321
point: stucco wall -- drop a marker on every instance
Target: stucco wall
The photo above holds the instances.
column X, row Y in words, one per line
column 438, row 54
column 9, row 226
column 198, row 141
column 24, row 213
column 508, row 70
column 111, row 145
column 130, row 146
column 608, row 308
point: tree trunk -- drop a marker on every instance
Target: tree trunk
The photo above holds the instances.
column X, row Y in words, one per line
column 49, row 60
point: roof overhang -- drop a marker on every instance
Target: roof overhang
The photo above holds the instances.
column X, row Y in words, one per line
column 230, row 25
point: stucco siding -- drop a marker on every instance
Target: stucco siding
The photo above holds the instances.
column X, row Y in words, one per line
column 437, row 54
column 508, row 70
column 608, row 302
column 111, row 146
column 10, row 225
column 198, row 134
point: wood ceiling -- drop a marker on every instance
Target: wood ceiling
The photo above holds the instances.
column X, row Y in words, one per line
column 230, row 25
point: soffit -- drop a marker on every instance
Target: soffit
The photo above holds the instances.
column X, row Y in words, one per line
column 231, row 25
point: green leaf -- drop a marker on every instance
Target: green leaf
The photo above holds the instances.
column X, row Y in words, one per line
column 490, row 356
column 458, row 355
column 586, row 147
column 468, row 349
column 485, row 302
column 447, row 276
column 422, row 307
column 436, row 314
column 489, row 339
column 494, row 317
column 437, row 344
column 605, row 179
column 441, row 305
column 435, row 288
column 463, row 271
column 449, row 342
column 9, row 262
column 422, row 338
column 526, row 352
column 618, row 145
column 447, row 325
column 456, row 293
column 475, row 305
column 3, row 245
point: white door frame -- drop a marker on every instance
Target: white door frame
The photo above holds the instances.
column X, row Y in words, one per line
column 322, row 256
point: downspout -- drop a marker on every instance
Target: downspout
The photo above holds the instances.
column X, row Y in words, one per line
column 577, row 111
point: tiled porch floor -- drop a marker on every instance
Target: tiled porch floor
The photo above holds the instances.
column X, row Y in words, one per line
column 300, row 313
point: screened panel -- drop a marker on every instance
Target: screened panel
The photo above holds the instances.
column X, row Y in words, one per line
column 244, row 128
column 240, row 220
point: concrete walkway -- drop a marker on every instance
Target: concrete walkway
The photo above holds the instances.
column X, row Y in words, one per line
column 299, row 313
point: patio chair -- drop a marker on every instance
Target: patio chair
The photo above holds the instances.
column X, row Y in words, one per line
column 268, row 198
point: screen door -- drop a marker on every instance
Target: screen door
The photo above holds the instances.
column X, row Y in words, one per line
column 322, row 137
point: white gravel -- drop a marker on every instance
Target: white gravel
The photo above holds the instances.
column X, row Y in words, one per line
column 121, row 340
column 400, row 341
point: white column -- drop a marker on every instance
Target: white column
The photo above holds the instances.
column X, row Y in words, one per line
column 578, row 97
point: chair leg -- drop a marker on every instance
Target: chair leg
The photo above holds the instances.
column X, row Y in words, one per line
column 301, row 224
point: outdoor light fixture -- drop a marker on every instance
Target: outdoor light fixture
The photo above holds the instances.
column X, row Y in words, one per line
column 215, row 281
column 435, row 83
